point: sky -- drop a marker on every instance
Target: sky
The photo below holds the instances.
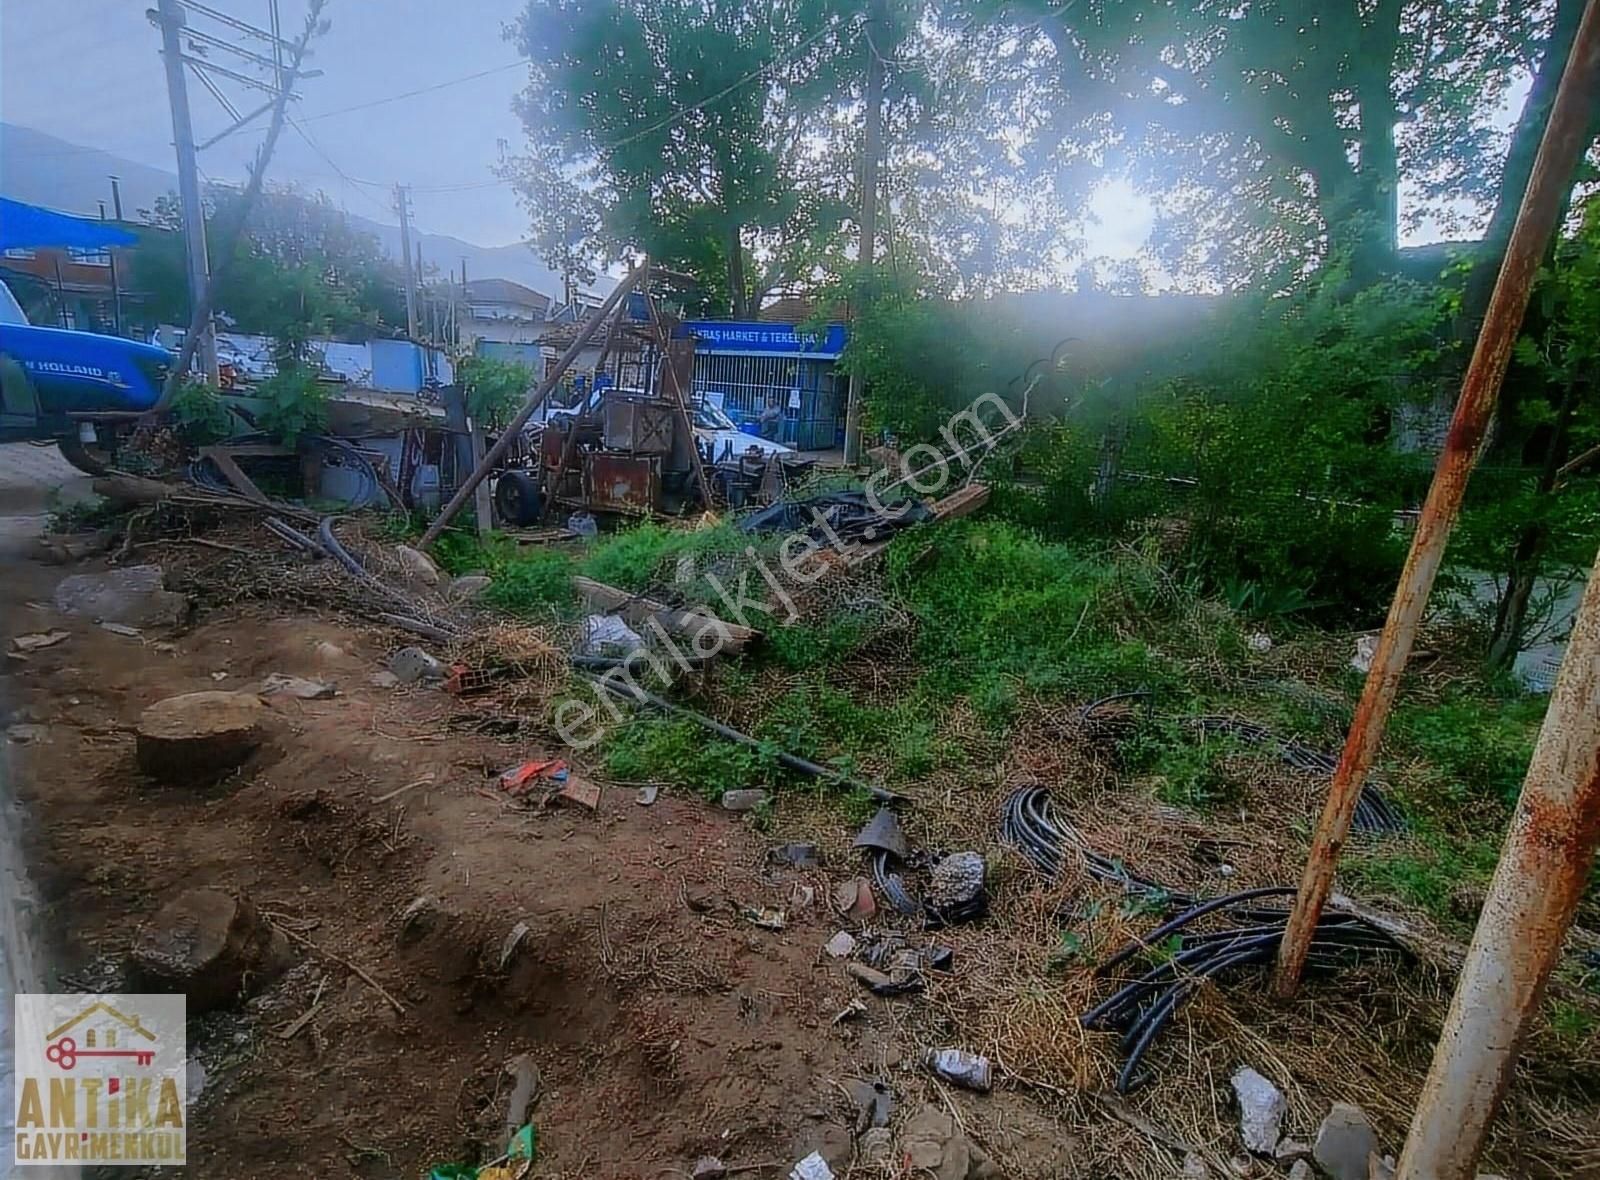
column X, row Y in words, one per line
column 90, row 71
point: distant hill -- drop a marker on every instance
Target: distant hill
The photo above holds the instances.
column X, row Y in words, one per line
column 44, row 170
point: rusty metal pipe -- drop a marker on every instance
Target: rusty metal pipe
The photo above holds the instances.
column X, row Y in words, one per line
column 1537, row 885
column 536, row 398
column 1565, row 137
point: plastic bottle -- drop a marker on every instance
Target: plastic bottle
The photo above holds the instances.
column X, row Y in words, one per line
column 963, row 1068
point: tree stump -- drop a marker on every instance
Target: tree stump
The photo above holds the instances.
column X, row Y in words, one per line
column 199, row 735
column 210, row 945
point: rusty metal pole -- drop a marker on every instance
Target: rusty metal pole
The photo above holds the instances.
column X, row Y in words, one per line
column 536, row 398
column 1542, row 874
column 1565, row 137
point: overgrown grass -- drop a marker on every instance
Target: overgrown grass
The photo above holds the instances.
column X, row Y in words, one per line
column 680, row 753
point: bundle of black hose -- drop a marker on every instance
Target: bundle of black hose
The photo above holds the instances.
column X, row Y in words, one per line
column 1028, row 822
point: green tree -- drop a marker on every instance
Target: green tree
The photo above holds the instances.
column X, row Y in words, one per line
column 691, row 130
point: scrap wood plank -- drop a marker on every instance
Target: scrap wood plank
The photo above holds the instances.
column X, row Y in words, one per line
column 636, row 611
column 223, row 460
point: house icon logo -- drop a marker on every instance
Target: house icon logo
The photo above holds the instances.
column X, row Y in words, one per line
column 97, row 1031
column 100, row 1080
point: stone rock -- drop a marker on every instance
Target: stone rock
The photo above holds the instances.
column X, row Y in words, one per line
column 875, row 1148
column 411, row 664
column 840, row 945
column 301, row 689
column 329, row 653
column 199, row 735
column 955, row 887
column 468, row 586
column 799, row 856
column 64, row 549
column 134, row 595
column 743, row 800
column 1194, row 1168
column 1301, row 1171
column 708, row 1167
column 210, row 945
column 417, row 565
column 1291, row 1149
column 1261, row 1110
column 25, row 732
column 1380, row 1169
column 931, row 1143
column 383, row 679
column 1344, row 1142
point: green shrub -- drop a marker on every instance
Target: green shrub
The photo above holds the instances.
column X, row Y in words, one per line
column 680, row 753
column 296, row 404
column 1478, row 748
column 532, row 585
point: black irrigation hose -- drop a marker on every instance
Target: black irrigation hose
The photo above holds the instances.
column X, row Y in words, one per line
column 1189, row 915
column 893, row 887
column 1028, row 822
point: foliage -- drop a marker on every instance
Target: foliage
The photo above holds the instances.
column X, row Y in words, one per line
column 644, row 132
column 638, row 557
column 299, row 269
column 495, row 389
column 660, row 750
column 200, row 415
column 531, row 585
column 1185, row 769
column 1477, row 747
column 296, row 403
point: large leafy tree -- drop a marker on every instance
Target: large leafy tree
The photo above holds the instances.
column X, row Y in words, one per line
column 299, row 269
column 697, row 130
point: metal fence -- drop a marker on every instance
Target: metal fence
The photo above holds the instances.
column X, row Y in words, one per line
column 808, row 391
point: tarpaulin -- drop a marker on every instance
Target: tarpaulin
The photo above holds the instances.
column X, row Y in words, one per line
column 30, row 225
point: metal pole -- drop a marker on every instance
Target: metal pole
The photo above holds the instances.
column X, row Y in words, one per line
column 405, row 259
column 1565, row 138
column 535, row 399
column 868, row 250
column 1542, row 874
column 169, row 15
column 116, row 196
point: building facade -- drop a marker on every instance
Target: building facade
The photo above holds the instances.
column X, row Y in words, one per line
column 748, row 366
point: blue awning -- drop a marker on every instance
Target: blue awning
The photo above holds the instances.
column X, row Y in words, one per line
column 29, row 225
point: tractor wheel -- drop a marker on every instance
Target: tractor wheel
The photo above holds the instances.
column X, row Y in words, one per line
column 517, row 499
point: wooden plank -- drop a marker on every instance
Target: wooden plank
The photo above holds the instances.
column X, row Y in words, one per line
column 230, row 472
column 636, row 611
column 482, row 505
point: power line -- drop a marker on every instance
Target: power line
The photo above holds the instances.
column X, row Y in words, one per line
column 378, row 102
column 340, row 172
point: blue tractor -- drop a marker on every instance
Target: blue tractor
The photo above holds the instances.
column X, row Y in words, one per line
column 78, row 388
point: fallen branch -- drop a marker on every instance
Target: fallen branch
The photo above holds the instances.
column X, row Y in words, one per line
column 691, row 624
column 346, row 963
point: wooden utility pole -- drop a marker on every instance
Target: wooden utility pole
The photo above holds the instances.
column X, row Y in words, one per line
column 400, row 194
column 866, row 254
column 169, row 15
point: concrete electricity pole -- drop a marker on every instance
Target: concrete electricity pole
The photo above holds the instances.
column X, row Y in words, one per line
column 400, row 193
column 866, row 253
column 169, row 15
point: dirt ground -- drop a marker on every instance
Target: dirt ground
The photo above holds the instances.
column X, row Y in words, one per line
column 665, row 1026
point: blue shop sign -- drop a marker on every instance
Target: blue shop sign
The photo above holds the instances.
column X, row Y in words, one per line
column 734, row 337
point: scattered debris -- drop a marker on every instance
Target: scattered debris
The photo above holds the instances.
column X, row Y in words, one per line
column 853, row 899
column 383, row 679
column 969, row 1070
column 1366, row 648
column 1301, row 1171
column 522, row 776
column 411, row 664
column 851, row 1011
column 328, row 653
column 1261, row 1110
column 199, row 735
column 802, row 896
column 955, row 889
column 708, row 1167
column 799, row 856
column 24, row 732
column 1259, row 642
column 933, row 1145
column 841, row 945
column 524, row 1090
column 883, row 833
column 417, row 565
column 219, row 677
column 39, row 640
column 765, row 917
column 609, row 635
column 1345, row 1141
column 813, row 1167
column 122, row 629
column 509, row 948
column 209, row 945
column 579, row 791
column 647, row 796
column 881, row 984
column 874, row 1102
column 411, row 786
column 875, row 1147
column 133, row 594
column 301, row 689
column 744, row 800
column 1289, row 1150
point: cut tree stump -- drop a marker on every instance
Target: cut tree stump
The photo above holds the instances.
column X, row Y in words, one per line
column 210, row 945
column 199, row 735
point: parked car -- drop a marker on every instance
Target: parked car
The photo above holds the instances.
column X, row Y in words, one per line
column 53, row 380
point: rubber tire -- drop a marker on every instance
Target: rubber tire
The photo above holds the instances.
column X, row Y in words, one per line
column 517, row 499
column 89, row 460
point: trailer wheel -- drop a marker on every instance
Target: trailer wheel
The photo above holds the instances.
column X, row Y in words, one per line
column 517, row 499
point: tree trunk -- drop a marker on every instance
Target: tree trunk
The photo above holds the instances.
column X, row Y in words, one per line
column 1373, row 215
column 738, row 296
column 1512, row 610
column 1525, row 140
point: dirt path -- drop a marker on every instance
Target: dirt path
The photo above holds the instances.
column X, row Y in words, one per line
column 664, row 1025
